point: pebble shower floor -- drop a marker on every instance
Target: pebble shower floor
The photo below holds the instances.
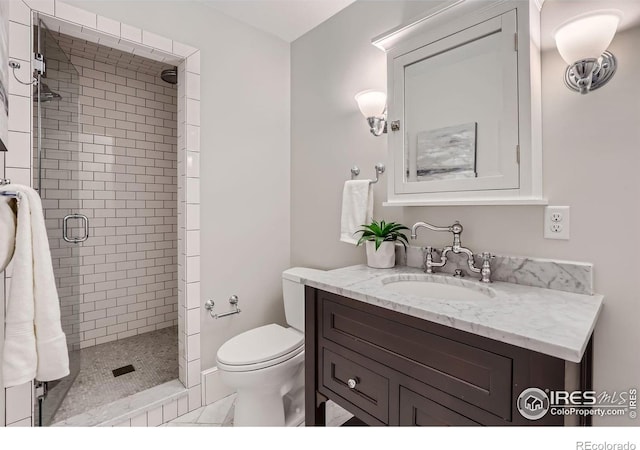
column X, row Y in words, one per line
column 154, row 356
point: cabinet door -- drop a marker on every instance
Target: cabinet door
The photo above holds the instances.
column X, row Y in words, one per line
column 457, row 102
column 416, row 410
column 359, row 385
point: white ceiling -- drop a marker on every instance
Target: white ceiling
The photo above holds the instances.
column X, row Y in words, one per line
column 556, row 12
column 290, row 19
column 287, row 19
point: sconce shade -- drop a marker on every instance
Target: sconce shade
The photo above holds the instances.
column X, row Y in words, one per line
column 587, row 36
column 371, row 103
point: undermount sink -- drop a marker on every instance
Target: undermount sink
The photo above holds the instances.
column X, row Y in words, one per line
column 434, row 288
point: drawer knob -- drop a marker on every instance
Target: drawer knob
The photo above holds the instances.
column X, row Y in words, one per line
column 352, row 383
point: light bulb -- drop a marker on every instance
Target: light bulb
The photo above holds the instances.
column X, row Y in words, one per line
column 371, row 103
column 587, row 36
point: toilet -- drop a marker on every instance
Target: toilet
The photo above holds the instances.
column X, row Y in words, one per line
column 265, row 365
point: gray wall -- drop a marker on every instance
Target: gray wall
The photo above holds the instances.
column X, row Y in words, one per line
column 591, row 160
column 244, row 158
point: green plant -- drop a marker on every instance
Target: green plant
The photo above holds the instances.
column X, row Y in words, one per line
column 382, row 231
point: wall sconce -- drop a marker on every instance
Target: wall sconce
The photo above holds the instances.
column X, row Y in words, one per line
column 582, row 42
column 373, row 106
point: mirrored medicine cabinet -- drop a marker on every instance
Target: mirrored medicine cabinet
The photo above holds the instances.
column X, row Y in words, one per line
column 464, row 109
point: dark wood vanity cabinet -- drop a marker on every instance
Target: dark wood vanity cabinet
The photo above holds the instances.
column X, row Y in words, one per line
column 389, row 368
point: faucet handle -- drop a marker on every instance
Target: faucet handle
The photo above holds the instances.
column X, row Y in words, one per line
column 486, row 266
column 428, row 259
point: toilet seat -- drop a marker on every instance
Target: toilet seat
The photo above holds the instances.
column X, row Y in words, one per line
column 259, row 348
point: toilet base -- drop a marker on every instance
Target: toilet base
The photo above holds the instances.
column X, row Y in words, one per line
column 294, row 402
column 258, row 409
column 273, row 396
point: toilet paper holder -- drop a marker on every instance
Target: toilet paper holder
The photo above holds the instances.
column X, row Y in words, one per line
column 233, row 300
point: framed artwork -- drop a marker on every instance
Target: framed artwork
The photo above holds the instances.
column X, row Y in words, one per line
column 447, row 153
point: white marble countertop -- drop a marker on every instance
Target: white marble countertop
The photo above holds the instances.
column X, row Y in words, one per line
column 548, row 321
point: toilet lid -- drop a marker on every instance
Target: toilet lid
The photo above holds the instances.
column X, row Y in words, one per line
column 259, row 345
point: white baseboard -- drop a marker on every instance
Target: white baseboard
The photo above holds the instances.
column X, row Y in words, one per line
column 213, row 389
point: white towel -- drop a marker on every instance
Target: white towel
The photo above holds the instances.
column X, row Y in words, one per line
column 7, row 231
column 357, row 208
column 35, row 345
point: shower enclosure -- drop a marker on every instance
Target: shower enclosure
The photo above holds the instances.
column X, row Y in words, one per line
column 104, row 150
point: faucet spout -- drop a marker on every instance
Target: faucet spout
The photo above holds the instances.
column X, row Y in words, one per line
column 455, row 248
column 455, row 228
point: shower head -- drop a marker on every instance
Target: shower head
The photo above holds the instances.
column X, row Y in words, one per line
column 46, row 94
column 170, row 75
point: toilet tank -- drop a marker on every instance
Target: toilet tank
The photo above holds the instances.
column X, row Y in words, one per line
column 293, row 295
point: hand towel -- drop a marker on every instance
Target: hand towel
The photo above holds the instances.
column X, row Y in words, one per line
column 7, row 231
column 35, row 345
column 357, row 208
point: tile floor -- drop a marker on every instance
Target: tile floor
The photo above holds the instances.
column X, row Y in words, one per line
column 154, row 356
column 220, row 414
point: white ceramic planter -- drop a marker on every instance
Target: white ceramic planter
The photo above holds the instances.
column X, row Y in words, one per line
column 384, row 257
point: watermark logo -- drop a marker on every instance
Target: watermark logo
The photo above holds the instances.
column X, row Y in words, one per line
column 533, row 403
column 590, row 445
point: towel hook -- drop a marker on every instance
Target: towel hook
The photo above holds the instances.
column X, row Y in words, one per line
column 380, row 168
column 13, row 194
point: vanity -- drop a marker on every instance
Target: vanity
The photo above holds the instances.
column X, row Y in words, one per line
column 394, row 348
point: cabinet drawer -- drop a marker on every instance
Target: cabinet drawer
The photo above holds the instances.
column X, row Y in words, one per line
column 438, row 358
column 371, row 390
column 421, row 411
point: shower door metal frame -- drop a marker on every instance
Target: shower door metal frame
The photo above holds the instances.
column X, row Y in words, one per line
column 42, row 389
column 39, row 115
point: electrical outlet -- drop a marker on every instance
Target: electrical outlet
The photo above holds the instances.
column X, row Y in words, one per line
column 556, row 227
column 556, row 222
column 556, row 217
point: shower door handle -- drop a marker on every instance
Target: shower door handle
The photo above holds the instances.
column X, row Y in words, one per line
column 65, row 228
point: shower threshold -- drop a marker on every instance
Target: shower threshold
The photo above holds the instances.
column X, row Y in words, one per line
column 151, row 407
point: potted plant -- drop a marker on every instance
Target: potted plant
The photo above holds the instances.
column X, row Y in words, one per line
column 380, row 239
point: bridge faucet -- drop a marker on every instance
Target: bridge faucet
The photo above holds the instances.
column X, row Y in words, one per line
column 456, row 248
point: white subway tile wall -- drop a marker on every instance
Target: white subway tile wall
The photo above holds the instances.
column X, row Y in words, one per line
column 113, row 158
column 17, row 404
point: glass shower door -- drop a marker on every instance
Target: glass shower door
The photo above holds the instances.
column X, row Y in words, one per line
column 57, row 164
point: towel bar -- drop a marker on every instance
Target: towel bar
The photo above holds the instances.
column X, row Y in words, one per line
column 380, row 168
column 233, row 300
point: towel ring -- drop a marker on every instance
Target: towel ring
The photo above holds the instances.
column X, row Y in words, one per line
column 380, row 168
